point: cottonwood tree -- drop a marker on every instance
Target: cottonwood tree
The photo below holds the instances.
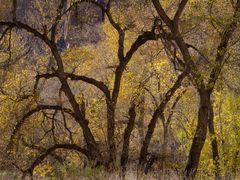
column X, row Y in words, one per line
column 205, row 86
column 77, row 111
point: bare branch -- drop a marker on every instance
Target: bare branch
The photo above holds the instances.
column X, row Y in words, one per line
column 47, row 152
column 121, row 33
column 99, row 84
column 9, row 28
column 174, row 106
column 162, row 14
column 222, row 48
column 30, row 113
column 199, row 52
column 57, row 19
column 158, row 112
column 142, row 39
column 41, row 149
column 179, row 12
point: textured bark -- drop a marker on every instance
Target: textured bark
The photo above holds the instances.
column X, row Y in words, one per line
column 150, row 162
column 141, row 118
column 200, row 134
column 216, row 70
column 126, row 139
column 111, row 132
column 214, row 142
column 89, row 138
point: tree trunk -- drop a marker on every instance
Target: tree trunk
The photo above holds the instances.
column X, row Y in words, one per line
column 126, row 139
column 164, row 147
column 141, row 118
column 163, row 154
column 110, row 133
column 200, row 134
column 214, row 144
column 158, row 112
column 92, row 146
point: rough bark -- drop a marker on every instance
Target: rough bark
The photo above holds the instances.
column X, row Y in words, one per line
column 141, row 118
column 214, row 143
column 126, row 139
column 200, row 134
column 111, row 132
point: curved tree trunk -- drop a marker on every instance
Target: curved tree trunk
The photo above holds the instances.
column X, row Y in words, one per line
column 158, row 113
column 92, row 146
column 200, row 134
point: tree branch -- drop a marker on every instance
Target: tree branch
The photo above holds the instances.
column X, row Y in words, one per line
column 174, row 106
column 162, row 14
column 158, row 112
column 30, row 113
column 222, row 48
column 126, row 138
column 41, row 149
column 47, row 152
column 9, row 28
column 179, row 12
column 91, row 143
column 116, row 26
column 57, row 19
column 199, row 52
column 99, row 84
column 142, row 39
